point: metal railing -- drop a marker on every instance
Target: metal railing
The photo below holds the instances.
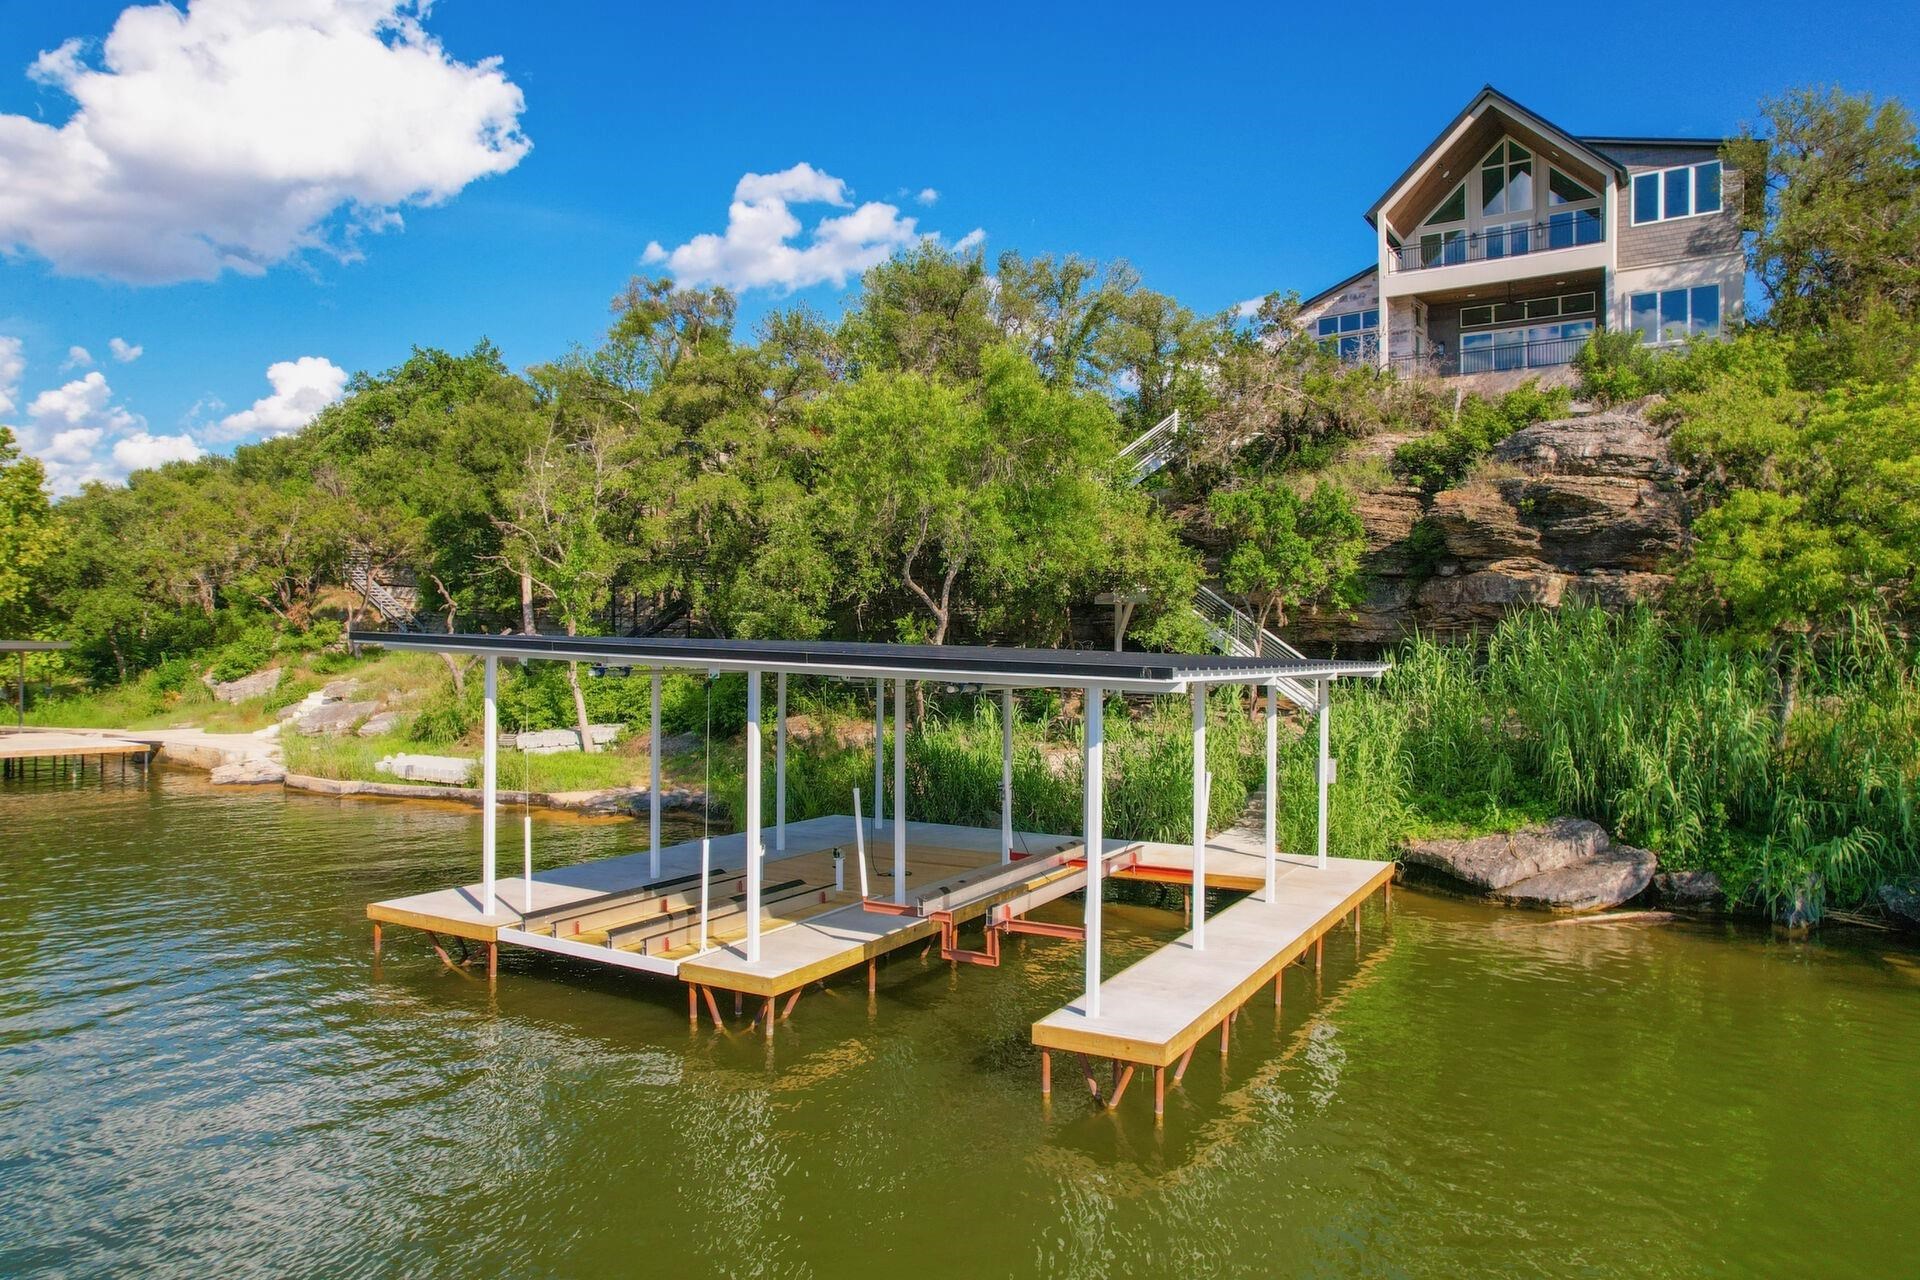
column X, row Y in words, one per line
column 1237, row 633
column 1497, row 357
column 1153, row 448
column 1560, row 231
column 362, row 577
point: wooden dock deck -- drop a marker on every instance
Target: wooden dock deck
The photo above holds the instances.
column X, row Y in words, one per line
column 1155, row 1011
column 69, row 752
column 612, row 911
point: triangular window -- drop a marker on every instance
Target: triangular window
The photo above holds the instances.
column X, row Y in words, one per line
column 1564, row 190
column 1452, row 209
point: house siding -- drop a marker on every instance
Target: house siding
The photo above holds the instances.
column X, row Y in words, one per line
column 1711, row 235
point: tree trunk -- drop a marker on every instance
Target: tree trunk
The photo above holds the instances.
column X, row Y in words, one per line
column 526, row 602
column 579, row 697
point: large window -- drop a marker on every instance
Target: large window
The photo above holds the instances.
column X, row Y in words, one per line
column 1502, row 313
column 1573, row 212
column 1350, row 335
column 1506, row 181
column 1540, row 346
column 1442, row 244
column 1674, row 315
column 1663, row 194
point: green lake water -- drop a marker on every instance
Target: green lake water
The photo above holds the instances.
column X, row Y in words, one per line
column 203, row 1069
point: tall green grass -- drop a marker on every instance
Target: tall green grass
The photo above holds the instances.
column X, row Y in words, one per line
column 1794, row 776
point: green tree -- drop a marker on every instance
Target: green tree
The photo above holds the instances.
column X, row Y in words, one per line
column 1834, row 209
column 30, row 537
column 1285, row 552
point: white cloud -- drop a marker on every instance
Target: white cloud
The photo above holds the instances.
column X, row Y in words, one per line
column 969, row 242
column 1247, row 310
column 758, row 249
column 77, row 358
column 123, row 351
column 301, row 388
column 12, row 364
column 237, row 134
column 927, row 195
column 82, row 433
column 141, row 450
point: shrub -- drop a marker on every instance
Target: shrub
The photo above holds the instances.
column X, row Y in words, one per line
column 1440, row 458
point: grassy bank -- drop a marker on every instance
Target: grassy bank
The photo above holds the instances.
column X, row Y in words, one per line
column 1794, row 777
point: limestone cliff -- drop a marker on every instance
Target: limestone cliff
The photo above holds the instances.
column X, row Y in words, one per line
column 1581, row 508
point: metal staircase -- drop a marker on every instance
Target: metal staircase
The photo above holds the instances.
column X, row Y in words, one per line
column 1231, row 629
column 389, row 604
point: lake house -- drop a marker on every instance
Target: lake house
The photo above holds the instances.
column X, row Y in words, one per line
column 1508, row 241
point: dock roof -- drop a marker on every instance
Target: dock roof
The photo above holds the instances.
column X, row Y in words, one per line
column 985, row 665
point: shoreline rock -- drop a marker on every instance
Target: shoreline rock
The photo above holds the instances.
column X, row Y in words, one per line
column 1567, row 865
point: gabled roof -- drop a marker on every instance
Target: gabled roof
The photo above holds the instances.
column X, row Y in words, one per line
column 1490, row 97
column 1371, row 268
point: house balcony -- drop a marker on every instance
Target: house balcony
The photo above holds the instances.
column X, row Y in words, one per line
column 1504, row 355
column 1519, row 251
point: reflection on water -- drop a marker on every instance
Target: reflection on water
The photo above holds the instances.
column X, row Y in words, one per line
column 202, row 1067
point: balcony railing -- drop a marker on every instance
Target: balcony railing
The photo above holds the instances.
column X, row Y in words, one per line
column 1495, row 357
column 1446, row 249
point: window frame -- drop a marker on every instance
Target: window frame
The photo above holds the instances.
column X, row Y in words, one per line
column 1660, row 179
column 1659, row 336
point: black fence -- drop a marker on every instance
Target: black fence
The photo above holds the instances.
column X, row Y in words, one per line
column 1561, row 231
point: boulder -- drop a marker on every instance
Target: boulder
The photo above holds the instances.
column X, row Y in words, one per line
column 377, row 724
column 450, row 770
column 1607, row 879
column 338, row 690
column 334, row 718
column 253, row 771
column 1618, row 442
column 545, row 742
column 257, row 685
column 1488, row 863
column 1689, row 890
column 1901, row 900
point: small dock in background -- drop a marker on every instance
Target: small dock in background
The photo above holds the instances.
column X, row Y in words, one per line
column 30, row 752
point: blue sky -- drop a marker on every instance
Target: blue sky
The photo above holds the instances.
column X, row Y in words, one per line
column 1224, row 154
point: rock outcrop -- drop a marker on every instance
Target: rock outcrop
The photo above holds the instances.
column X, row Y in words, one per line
column 1689, row 890
column 1901, row 901
column 252, row 771
column 257, row 685
column 1583, row 508
column 1567, row 865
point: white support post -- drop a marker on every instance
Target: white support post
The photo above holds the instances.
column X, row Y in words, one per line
column 653, row 786
column 1273, row 783
column 1093, row 772
column 489, row 781
column 1006, row 775
column 1324, row 690
column 755, row 784
column 780, row 763
column 1200, row 789
column 900, row 793
column 879, row 756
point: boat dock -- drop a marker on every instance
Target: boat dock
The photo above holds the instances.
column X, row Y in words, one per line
column 779, row 906
column 25, row 752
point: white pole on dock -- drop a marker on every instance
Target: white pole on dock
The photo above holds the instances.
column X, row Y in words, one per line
column 1093, row 774
column 1324, row 689
column 1199, row 817
column 526, row 862
column 754, row 785
column 780, row 762
column 1006, row 775
column 879, row 755
column 900, row 792
column 653, row 786
column 489, row 780
column 1273, row 782
column 860, row 842
column 706, row 862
